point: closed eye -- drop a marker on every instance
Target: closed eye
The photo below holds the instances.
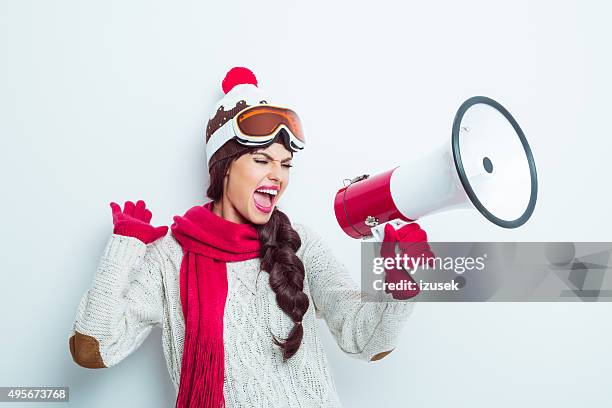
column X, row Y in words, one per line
column 287, row 166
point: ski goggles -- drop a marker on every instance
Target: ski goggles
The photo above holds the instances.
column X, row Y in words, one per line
column 257, row 125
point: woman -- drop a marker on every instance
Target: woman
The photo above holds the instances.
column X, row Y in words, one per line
column 231, row 334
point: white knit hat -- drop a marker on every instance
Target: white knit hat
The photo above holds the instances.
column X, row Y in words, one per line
column 241, row 91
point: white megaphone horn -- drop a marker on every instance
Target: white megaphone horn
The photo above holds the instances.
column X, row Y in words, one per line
column 488, row 165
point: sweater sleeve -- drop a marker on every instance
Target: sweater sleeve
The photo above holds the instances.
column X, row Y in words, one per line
column 123, row 304
column 367, row 330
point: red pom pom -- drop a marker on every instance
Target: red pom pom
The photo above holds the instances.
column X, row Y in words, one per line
column 238, row 76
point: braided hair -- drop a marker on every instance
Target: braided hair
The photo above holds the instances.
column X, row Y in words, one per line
column 279, row 243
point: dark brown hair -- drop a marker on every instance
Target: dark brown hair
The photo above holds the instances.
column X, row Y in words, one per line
column 279, row 243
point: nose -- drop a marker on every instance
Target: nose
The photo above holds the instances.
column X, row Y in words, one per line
column 275, row 171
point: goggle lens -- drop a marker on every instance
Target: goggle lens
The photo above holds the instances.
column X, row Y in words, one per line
column 264, row 121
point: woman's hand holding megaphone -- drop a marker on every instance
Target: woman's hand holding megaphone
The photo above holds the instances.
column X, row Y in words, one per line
column 411, row 240
column 134, row 222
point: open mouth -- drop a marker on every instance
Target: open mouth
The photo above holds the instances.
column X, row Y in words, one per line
column 265, row 198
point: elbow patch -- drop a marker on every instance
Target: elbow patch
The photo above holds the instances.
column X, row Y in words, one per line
column 379, row 356
column 85, row 351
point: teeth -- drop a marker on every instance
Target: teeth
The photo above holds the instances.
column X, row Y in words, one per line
column 264, row 190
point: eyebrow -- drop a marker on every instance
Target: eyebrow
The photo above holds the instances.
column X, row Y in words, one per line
column 272, row 158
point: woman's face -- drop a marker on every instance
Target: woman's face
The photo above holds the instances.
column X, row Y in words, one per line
column 254, row 184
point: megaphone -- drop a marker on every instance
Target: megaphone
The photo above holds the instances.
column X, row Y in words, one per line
column 488, row 165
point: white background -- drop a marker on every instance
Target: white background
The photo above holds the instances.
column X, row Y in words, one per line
column 108, row 101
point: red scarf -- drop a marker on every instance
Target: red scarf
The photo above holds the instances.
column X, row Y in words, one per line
column 208, row 242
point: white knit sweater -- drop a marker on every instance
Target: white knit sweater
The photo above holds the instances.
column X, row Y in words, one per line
column 136, row 287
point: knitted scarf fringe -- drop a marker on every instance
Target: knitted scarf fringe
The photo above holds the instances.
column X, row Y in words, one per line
column 192, row 392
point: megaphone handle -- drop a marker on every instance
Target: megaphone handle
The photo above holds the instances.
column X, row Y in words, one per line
column 378, row 232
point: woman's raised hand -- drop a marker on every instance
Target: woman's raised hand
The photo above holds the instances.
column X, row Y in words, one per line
column 134, row 220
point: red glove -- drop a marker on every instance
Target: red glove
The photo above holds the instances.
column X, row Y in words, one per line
column 134, row 222
column 412, row 242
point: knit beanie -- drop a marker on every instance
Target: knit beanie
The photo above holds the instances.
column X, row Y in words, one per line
column 241, row 91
